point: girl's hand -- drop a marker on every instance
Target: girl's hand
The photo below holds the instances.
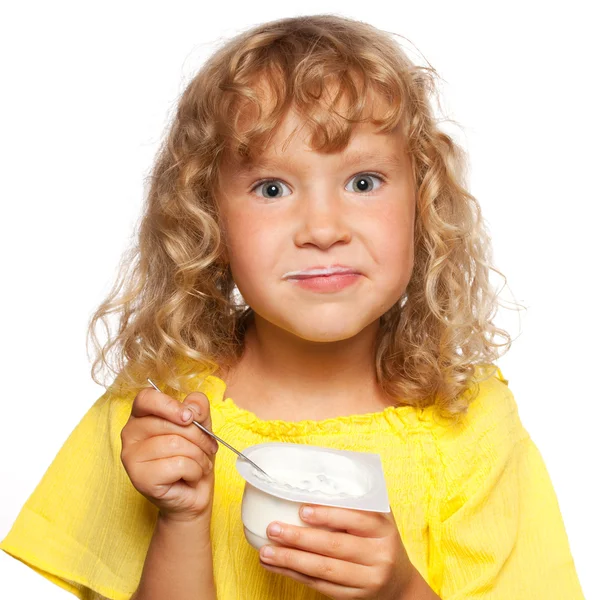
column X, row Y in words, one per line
column 365, row 559
column 168, row 459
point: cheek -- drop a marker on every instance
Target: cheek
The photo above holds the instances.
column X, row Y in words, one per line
column 252, row 245
column 395, row 247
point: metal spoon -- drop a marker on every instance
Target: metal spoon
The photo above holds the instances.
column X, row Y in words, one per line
column 221, row 440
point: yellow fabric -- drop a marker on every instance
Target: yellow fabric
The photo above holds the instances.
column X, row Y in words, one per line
column 474, row 503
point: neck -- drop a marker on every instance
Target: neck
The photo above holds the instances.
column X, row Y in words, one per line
column 279, row 367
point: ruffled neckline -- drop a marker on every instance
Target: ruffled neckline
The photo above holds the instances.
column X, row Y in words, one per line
column 400, row 417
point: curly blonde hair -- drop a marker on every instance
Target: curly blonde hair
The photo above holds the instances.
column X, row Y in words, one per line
column 179, row 314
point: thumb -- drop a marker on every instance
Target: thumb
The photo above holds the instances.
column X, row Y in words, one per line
column 199, row 405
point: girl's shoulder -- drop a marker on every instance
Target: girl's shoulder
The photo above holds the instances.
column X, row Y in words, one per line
column 491, row 425
column 492, row 410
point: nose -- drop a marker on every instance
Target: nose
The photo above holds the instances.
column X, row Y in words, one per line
column 322, row 220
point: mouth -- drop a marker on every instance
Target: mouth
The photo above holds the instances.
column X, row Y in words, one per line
column 317, row 272
column 327, row 282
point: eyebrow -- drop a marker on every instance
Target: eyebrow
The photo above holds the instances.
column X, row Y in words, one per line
column 379, row 158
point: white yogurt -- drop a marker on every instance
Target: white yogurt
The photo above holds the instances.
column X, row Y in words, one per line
column 312, row 482
column 310, row 471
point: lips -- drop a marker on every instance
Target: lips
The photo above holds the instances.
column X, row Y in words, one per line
column 327, row 283
column 321, row 271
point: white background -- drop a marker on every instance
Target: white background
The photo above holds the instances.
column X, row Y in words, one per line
column 88, row 89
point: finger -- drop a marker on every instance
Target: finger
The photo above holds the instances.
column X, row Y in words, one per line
column 357, row 522
column 151, row 402
column 289, row 573
column 199, row 403
column 315, row 565
column 324, row 587
column 342, row 546
column 169, row 446
column 141, row 429
column 166, row 471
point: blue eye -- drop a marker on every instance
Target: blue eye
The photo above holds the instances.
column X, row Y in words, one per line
column 276, row 184
column 268, row 184
column 366, row 178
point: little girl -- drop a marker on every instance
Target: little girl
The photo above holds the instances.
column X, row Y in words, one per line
column 311, row 269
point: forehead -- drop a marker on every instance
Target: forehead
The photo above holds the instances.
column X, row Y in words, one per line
column 293, row 141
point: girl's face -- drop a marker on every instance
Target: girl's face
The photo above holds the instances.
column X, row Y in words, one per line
column 321, row 210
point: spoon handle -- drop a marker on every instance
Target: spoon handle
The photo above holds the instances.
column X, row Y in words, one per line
column 230, row 447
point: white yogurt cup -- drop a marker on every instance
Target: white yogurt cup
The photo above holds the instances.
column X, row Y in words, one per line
column 306, row 474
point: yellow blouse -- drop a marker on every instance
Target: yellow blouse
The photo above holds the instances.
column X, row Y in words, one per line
column 474, row 503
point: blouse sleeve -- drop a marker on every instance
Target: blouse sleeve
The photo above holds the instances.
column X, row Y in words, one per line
column 85, row 527
column 501, row 533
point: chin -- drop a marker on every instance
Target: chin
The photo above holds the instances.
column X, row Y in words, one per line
column 323, row 332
